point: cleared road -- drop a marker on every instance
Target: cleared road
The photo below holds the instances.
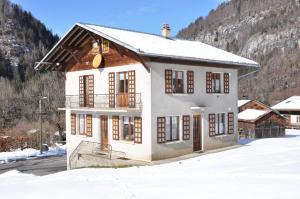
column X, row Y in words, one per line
column 39, row 166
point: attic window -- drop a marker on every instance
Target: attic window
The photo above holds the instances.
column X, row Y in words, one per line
column 105, row 46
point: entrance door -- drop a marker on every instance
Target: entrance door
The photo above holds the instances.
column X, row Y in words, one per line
column 104, row 130
column 197, row 143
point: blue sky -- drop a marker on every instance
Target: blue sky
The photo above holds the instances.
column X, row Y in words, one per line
column 142, row 15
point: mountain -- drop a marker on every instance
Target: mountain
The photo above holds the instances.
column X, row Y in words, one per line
column 266, row 31
column 23, row 41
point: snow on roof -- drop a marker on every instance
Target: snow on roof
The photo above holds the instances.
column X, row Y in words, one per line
column 292, row 103
column 252, row 114
column 242, row 102
column 156, row 45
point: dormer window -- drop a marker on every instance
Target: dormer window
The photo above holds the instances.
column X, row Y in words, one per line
column 105, row 46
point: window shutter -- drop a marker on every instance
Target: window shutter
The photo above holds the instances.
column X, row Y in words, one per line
column 190, row 81
column 226, row 82
column 111, row 90
column 115, row 129
column 186, row 127
column 81, row 91
column 73, row 124
column 89, row 126
column 131, row 89
column 168, row 81
column 208, row 82
column 212, row 124
column 230, row 123
column 161, row 130
column 91, row 90
column 138, row 130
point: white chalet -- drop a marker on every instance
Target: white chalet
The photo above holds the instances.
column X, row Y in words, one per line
column 148, row 96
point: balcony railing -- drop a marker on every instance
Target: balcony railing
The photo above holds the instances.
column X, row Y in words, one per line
column 105, row 101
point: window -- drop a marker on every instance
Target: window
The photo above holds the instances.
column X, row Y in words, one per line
column 127, row 128
column 89, row 125
column 73, row 124
column 230, row 123
column 161, row 130
column 177, row 82
column 115, row 128
column 81, row 124
column 105, row 46
column 172, row 128
column 298, row 119
column 190, row 81
column 123, row 82
column 86, row 91
column 216, row 124
column 216, row 83
column 186, row 127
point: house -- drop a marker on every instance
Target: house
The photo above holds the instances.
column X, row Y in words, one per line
column 148, row 96
column 258, row 120
column 291, row 109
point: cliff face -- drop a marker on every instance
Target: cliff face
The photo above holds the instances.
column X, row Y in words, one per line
column 266, row 31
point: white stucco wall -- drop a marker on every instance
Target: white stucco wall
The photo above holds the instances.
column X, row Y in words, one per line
column 143, row 85
column 180, row 104
column 294, row 119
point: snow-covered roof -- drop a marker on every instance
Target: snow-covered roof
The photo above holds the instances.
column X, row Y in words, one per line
column 292, row 104
column 242, row 102
column 156, row 45
column 252, row 114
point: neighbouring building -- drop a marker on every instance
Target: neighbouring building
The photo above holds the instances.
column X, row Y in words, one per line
column 291, row 109
column 257, row 120
column 148, row 96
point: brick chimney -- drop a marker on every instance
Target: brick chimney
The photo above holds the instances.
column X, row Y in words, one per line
column 166, row 31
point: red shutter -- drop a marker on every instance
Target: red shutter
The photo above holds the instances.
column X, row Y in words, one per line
column 186, row 127
column 212, row 124
column 168, row 81
column 131, row 89
column 161, row 130
column 226, row 82
column 138, row 130
column 115, row 129
column 111, row 89
column 208, row 82
column 190, row 81
column 89, row 125
column 230, row 123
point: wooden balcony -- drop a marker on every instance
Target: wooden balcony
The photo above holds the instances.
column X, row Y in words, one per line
column 104, row 101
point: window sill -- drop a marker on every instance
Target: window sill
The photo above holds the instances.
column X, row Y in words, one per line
column 222, row 135
column 180, row 94
column 174, row 142
column 126, row 142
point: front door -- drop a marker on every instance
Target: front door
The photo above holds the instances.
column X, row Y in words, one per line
column 104, row 130
column 197, row 143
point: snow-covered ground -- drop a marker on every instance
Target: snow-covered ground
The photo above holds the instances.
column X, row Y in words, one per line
column 30, row 153
column 262, row 169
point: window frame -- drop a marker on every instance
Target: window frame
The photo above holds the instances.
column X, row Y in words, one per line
column 81, row 116
column 175, row 86
column 130, row 128
column 171, row 129
column 218, row 118
column 214, row 82
column 105, row 46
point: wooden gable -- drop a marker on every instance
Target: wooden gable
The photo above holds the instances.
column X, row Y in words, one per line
column 253, row 105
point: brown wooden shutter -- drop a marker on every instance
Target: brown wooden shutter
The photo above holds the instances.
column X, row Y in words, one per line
column 131, row 89
column 111, row 89
column 91, row 90
column 138, row 130
column 168, row 81
column 73, row 124
column 115, row 129
column 89, row 125
column 212, row 124
column 226, row 82
column 81, row 91
column 190, row 81
column 161, row 130
column 208, row 82
column 230, row 123
column 186, row 127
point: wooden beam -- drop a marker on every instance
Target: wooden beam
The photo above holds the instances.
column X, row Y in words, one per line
column 73, row 55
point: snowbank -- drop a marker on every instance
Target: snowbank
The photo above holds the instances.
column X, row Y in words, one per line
column 31, row 153
column 262, row 169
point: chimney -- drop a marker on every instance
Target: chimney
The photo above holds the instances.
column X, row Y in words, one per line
column 166, row 31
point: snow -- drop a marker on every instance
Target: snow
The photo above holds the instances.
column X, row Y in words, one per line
column 292, row 103
column 242, row 102
column 6, row 157
column 265, row 168
column 252, row 114
column 156, row 45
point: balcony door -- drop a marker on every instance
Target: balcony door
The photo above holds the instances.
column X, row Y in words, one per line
column 86, row 91
column 122, row 89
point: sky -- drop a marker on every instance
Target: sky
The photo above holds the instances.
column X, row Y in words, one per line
column 141, row 15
